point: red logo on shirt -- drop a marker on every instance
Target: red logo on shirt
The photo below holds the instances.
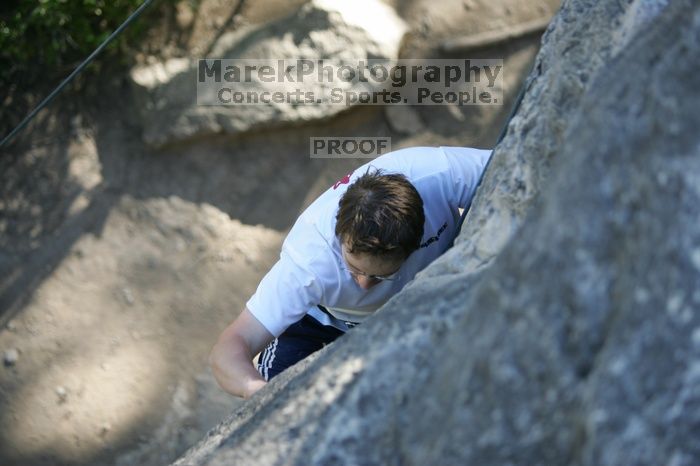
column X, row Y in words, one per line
column 343, row 180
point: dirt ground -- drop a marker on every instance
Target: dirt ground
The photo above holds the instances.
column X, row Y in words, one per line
column 120, row 265
column 119, row 306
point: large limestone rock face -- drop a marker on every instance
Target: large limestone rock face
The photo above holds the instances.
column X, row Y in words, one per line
column 579, row 343
column 583, row 39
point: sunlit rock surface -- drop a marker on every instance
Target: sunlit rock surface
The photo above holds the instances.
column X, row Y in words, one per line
column 580, row 342
column 583, row 40
column 339, row 32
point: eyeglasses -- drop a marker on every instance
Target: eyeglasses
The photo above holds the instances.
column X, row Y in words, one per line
column 390, row 277
column 356, row 273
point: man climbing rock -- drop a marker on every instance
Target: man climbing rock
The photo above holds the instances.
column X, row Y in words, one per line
column 351, row 250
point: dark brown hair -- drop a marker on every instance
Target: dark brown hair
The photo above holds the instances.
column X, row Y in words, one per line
column 381, row 215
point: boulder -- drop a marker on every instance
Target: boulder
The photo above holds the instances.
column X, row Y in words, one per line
column 459, row 25
column 574, row 338
column 321, row 29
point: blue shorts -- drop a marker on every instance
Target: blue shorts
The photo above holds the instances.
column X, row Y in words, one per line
column 297, row 342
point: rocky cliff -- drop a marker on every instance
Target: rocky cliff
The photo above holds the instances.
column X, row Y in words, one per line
column 134, row 224
column 562, row 328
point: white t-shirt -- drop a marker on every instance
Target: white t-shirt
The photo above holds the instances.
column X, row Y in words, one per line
column 311, row 270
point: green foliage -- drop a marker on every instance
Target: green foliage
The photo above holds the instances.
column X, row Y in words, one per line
column 54, row 34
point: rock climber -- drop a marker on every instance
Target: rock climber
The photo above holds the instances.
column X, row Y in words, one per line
column 352, row 249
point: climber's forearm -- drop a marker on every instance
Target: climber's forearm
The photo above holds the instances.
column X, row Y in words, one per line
column 231, row 358
column 232, row 365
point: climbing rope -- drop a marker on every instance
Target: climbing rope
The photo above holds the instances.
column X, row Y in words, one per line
column 75, row 72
